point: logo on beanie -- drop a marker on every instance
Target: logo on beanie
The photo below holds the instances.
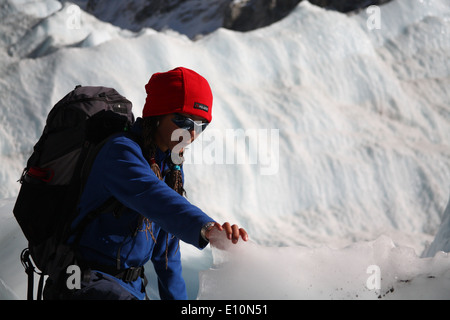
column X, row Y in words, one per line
column 201, row 106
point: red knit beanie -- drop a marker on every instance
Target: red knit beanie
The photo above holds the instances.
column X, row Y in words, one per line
column 179, row 90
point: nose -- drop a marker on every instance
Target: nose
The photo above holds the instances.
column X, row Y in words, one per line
column 193, row 135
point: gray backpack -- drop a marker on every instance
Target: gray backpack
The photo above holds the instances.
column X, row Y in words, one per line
column 53, row 179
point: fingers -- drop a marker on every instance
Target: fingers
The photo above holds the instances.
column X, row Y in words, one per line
column 209, row 230
column 218, row 226
column 233, row 232
column 244, row 234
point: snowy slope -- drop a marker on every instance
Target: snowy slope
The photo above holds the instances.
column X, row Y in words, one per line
column 188, row 17
column 364, row 270
column 359, row 159
column 195, row 18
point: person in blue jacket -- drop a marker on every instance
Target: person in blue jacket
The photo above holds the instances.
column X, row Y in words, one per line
column 142, row 171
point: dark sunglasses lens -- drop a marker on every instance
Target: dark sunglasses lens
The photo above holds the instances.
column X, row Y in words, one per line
column 188, row 124
column 204, row 125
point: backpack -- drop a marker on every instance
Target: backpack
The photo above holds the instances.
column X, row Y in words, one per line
column 53, row 179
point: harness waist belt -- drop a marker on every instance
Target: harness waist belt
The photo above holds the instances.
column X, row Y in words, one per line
column 127, row 275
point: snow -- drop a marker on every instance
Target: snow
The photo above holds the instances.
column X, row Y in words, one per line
column 190, row 17
column 352, row 125
column 370, row 270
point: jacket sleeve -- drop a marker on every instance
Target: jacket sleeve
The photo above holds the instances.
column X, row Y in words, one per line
column 171, row 284
column 128, row 177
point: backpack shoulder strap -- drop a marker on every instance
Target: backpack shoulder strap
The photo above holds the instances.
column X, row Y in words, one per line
column 110, row 205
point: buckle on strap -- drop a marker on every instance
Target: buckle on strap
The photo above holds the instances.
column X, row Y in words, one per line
column 131, row 274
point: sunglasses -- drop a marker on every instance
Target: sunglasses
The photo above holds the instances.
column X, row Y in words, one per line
column 184, row 122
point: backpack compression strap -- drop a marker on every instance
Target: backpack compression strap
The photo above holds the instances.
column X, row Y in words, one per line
column 30, row 270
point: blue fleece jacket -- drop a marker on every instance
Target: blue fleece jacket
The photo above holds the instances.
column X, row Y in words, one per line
column 120, row 170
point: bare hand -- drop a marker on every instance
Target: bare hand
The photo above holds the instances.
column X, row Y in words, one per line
column 233, row 231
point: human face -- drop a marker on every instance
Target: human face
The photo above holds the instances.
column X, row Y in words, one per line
column 167, row 127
